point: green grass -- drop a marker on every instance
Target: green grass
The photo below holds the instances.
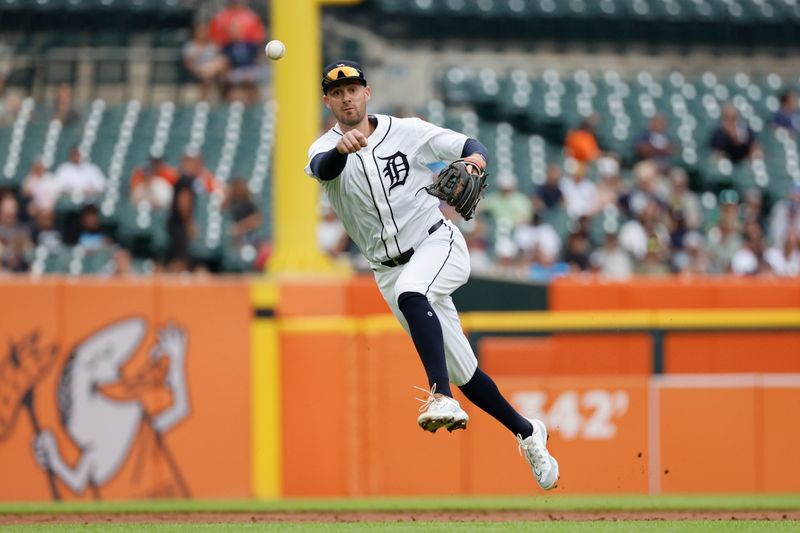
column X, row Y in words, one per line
column 694, row 526
column 755, row 502
column 786, row 502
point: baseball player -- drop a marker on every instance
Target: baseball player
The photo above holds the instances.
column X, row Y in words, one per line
column 374, row 171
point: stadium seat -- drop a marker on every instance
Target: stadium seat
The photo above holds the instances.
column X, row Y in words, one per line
column 681, row 22
column 550, row 103
column 56, row 71
column 21, row 77
column 559, row 219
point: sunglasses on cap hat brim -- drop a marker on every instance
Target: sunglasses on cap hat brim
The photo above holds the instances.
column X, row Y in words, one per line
column 342, row 73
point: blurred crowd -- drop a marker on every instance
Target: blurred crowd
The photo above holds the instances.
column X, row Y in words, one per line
column 57, row 207
column 225, row 54
column 594, row 212
column 593, row 215
column 30, row 218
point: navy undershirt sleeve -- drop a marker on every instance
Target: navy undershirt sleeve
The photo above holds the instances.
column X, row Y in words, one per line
column 474, row 146
column 329, row 165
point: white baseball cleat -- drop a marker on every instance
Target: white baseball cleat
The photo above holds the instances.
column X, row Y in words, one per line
column 534, row 448
column 440, row 411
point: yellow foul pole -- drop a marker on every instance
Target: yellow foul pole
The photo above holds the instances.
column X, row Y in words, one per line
column 296, row 86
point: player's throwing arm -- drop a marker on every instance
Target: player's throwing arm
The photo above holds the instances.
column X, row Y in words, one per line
column 351, row 142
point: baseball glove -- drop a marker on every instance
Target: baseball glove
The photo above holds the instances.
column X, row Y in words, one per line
column 459, row 187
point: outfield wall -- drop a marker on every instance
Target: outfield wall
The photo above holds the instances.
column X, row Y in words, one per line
column 231, row 388
column 141, row 385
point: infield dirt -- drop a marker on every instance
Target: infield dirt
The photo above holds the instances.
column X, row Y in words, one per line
column 390, row 516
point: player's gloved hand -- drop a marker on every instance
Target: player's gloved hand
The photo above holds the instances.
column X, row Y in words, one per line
column 351, row 142
column 461, row 185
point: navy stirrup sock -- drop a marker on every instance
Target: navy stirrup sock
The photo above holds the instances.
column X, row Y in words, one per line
column 483, row 392
column 426, row 331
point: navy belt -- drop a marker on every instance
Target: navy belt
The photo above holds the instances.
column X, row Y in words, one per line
column 403, row 258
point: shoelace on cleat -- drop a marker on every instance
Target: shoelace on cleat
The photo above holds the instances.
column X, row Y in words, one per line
column 429, row 401
column 530, row 450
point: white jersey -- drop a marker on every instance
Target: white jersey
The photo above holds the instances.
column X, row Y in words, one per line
column 380, row 196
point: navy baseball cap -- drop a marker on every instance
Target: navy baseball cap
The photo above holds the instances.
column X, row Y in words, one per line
column 342, row 71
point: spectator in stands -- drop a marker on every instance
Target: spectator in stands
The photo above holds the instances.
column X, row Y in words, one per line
column 787, row 116
column 611, row 260
column 752, row 209
column 6, row 64
column 147, row 185
column 14, row 254
column 681, row 201
column 243, row 213
column 155, row 166
column 64, row 106
column 580, row 194
column 647, row 231
column 508, row 263
column 203, row 58
column 692, row 257
column 45, row 233
column 331, row 236
column 537, row 236
column 733, row 139
column 548, row 195
column 40, row 189
column 654, row 262
column 91, row 237
column 649, row 186
column 10, row 105
column 79, row 177
column 246, row 70
column 725, row 238
column 239, row 33
column 479, row 258
column 506, row 202
column 182, row 229
column 120, row 264
column 9, row 208
column 785, row 260
column 682, row 208
column 676, row 225
column 654, row 144
column 239, row 16
column 14, row 236
column 546, row 267
column 785, row 217
column 749, row 258
column 578, row 250
column 581, row 143
column 611, row 188
column 195, row 175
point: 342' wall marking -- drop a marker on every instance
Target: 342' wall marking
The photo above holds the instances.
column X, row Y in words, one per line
column 587, row 415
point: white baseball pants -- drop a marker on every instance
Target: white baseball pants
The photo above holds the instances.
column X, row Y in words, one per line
column 439, row 266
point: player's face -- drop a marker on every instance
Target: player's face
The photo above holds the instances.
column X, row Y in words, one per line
column 348, row 103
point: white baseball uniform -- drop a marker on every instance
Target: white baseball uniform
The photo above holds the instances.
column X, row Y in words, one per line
column 381, row 200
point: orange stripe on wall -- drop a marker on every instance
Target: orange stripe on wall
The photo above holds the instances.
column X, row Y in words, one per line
column 567, row 354
column 586, row 293
column 736, row 352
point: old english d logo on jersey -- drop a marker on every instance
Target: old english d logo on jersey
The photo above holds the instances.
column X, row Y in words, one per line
column 396, row 169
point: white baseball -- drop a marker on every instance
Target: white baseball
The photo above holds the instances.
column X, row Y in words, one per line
column 275, row 49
